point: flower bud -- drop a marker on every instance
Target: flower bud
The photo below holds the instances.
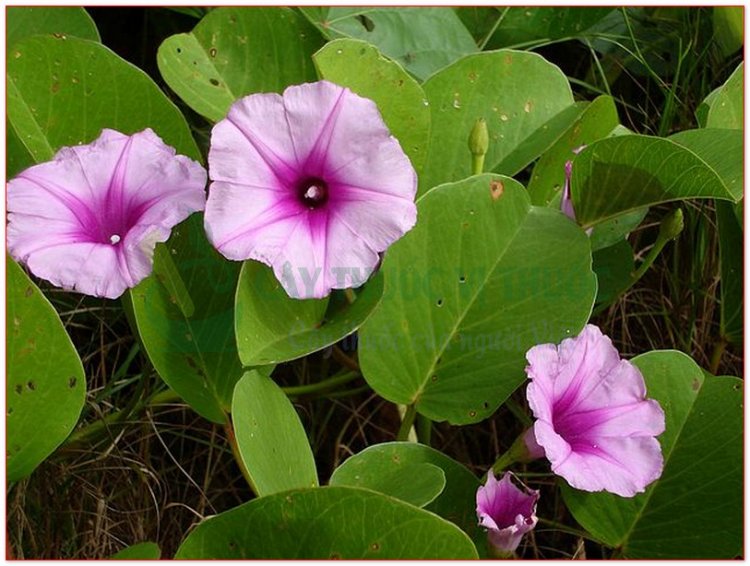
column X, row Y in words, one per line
column 479, row 140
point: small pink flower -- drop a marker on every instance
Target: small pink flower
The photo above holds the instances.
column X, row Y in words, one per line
column 506, row 511
column 594, row 423
column 310, row 183
column 566, row 201
column 89, row 219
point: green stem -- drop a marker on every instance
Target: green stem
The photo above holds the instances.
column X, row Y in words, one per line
column 477, row 164
column 719, row 348
column 487, row 38
column 407, row 423
column 298, row 390
column 424, row 429
column 652, row 254
column 238, row 457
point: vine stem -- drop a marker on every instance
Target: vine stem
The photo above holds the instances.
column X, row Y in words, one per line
column 232, row 439
column 407, row 423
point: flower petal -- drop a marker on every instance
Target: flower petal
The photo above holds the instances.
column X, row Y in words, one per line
column 624, row 466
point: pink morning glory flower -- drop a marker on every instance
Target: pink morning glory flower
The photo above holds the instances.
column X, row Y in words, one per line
column 594, row 423
column 506, row 511
column 311, row 183
column 566, row 201
column 89, row 220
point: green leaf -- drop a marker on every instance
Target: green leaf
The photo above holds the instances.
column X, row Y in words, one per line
column 18, row 157
column 233, row 52
column 479, row 20
column 271, row 439
column 25, row 21
column 594, row 122
column 722, row 150
column 456, row 501
column 523, row 25
column 730, row 250
column 614, row 267
column 727, row 107
column 614, row 230
column 695, row 509
column 45, row 387
column 325, row 523
column 728, row 28
column 481, row 278
column 503, row 88
column 184, row 312
column 400, row 99
column 417, row 484
column 272, row 327
column 621, row 174
column 62, row 92
column 140, row 551
column 422, row 39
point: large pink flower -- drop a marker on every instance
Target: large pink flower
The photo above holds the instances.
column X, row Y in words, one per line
column 89, row 219
column 506, row 511
column 310, row 183
column 594, row 423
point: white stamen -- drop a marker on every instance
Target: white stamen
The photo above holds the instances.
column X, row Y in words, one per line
column 114, row 239
column 314, row 192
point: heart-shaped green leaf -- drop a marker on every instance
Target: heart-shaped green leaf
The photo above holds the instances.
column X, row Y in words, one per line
column 400, row 99
column 272, row 327
column 45, row 387
column 406, row 35
column 233, row 52
column 455, row 502
column 25, row 21
column 695, row 509
column 271, row 439
column 184, row 312
column 503, row 87
column 481, row 278
column 595, row 121
column 621, row 174
column 324, row 523
column 63, row 91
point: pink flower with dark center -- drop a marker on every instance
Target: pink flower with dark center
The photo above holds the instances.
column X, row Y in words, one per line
column 310, row 183
column 594, row 423
column 89, row 220
column 506, row 511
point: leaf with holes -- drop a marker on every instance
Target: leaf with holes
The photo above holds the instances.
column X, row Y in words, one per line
column 272, row 327
column 400, row 99
column 695, row 509
column 454, row 501
column 233, row 52
column 503, row 88
column 25, row 21
column 63, row 91
column 45, row 387
column 324, row 523
column 185, row 317
column 406, row 35
column 621, row 174
column 271, row 439
column 481, row 278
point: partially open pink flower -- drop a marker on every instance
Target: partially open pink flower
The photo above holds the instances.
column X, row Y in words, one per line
column 594, row 423
column 506, row 511
column 310, row 183
column 89, row 219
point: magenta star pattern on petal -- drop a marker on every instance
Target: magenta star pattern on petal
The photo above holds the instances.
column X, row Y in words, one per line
column 89, row 220
column 594, row 423
column 310, row 183
column 506, row 511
